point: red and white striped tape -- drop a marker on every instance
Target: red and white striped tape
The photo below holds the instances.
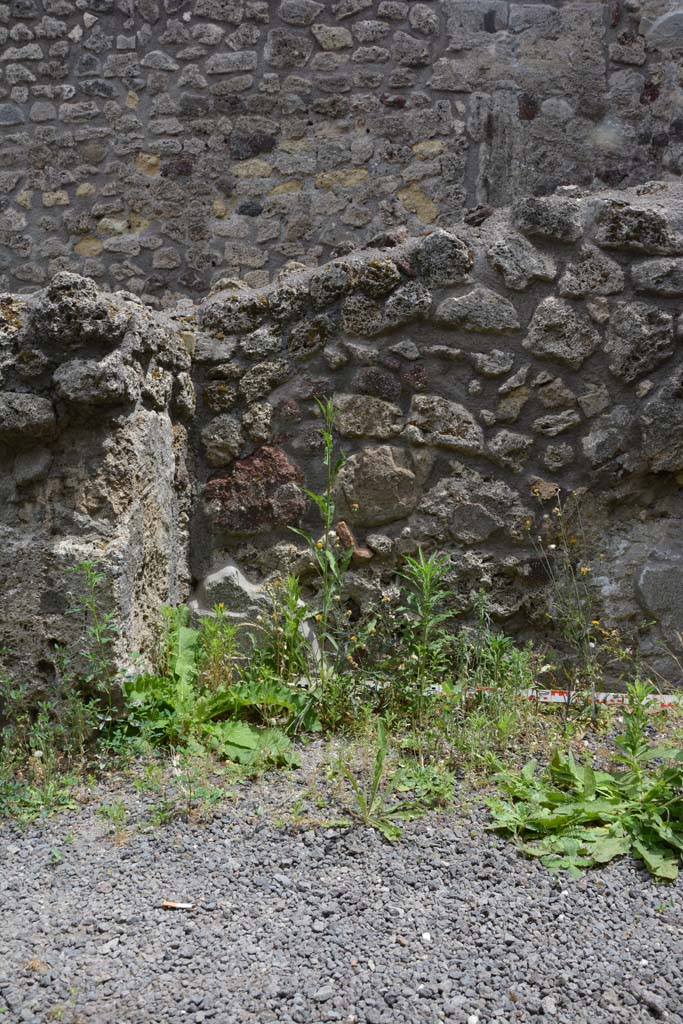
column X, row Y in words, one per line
column 663, row 700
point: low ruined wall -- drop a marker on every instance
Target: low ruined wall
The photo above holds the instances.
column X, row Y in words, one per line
column 475, row 372
column 155, row 145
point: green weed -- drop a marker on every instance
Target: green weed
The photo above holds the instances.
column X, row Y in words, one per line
column 575, row 817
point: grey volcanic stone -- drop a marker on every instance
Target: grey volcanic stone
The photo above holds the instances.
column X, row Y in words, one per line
column 609, row 437
column 72, row 313
column 90, row 382
column 550, row 218
column 444, row 259
column 479, row 310
column 25, row 417
column 659, row 277
column 639, row 338
column 619, row 226
column 300, row 12
column 360, row 416
column 377, row 486
column 223, row 440
column 510, row 449
column 520, row 262
column 436, row 421
column 591, row 273
column 662, row 425
column 557, row 332
column 31, row 466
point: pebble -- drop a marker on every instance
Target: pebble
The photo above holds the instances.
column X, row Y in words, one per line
column 451, row 924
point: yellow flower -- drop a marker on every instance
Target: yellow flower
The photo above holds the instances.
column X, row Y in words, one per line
column 584, row 570
column 319, row 545
column 527, row 523
column 595, row 622
column 220, row 606
column 535, row 490
column 573, row 540
column 318, row 617
column 278, row 583
column 353, row 638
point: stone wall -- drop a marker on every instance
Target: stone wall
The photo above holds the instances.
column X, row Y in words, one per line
column 157, row 145
column 93, row 396
column 476, row 373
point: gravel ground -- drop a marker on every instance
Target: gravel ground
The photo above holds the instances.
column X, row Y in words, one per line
column 314, row 924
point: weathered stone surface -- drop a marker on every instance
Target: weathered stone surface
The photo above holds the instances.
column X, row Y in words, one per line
column 520, row 262
column 362, row 316
column 591, row 273
column 510, row 449
column 594, row 400
column 558, row 456
column 257, row 493
column 659, row 277
column 494, row 363
column 436, row 421
column 300, row 12
column 377, row 486
column 480, row 310
column 662, row 426
column 373, row 380
column 609, row 437
column 549, row 218
column 330, row 284
column 510, row 406
column 360, row 416
column 639, row 338
column 473, row 508
column 444, row 259
column 72, row 313
column 556, row 394
column 105, row 382
column 25, row 417
column 635, row 230
column 260, row 343
column 261, row 379
column 556, row 332
column 32, row 466
column 229, row 587
column 223, row 440
column 409, row 303
column 556, row 423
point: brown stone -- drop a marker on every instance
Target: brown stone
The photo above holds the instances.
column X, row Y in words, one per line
column 258, row 493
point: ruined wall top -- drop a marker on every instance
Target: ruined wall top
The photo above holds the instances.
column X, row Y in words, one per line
column 158, row 145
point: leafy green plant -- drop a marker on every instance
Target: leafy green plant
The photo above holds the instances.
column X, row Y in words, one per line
column 573, row 816
column 425, row 645
column 219, row 656
column 116, row 814
column 242, row 718
column 283, row 645
column 330, row 558
column 373, row 805
column 564, row 552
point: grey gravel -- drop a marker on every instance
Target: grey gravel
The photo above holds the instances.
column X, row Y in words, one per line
column 314, row 924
